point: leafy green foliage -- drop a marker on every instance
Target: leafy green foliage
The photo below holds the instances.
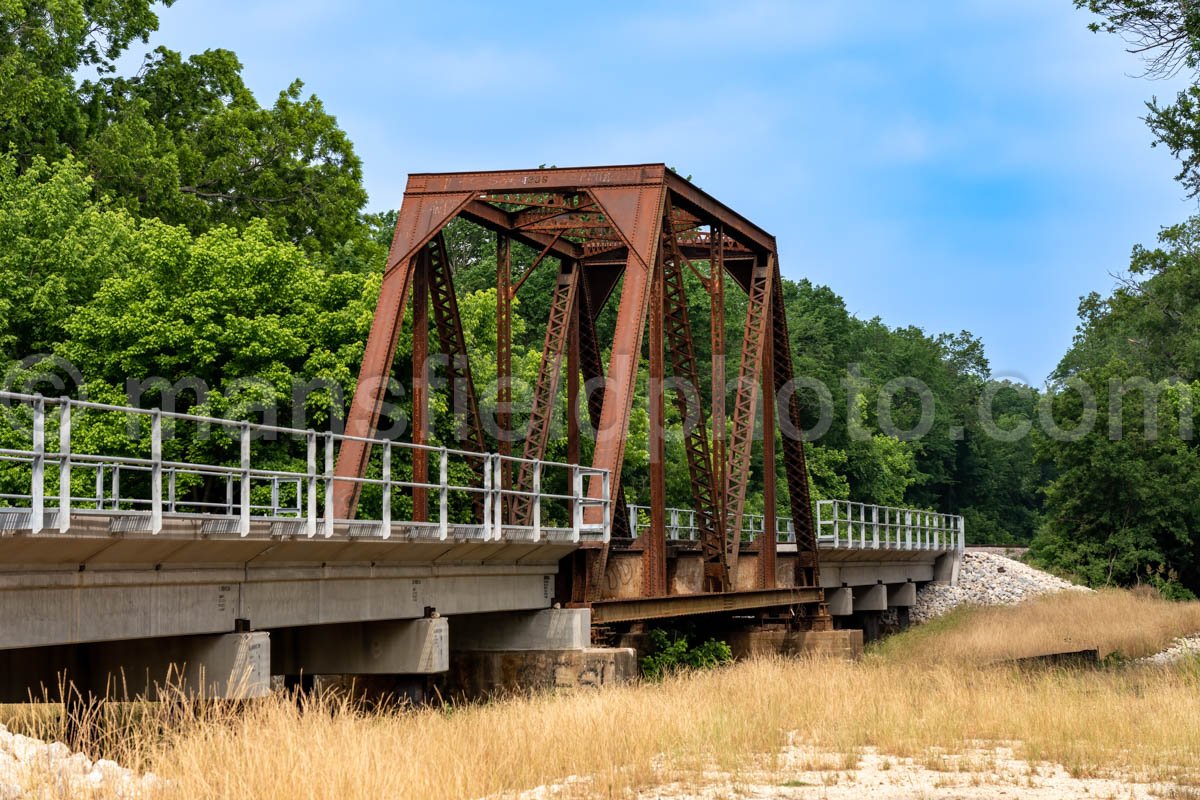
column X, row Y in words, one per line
column 672, row 653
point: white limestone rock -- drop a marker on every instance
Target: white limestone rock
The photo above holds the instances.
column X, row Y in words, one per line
column 987, row 579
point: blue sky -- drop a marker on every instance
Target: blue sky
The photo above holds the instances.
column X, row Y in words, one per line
column 949, row 164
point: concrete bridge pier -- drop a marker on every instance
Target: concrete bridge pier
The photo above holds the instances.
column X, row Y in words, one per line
column 376, row 662
column 531, row 650
column 220, row 666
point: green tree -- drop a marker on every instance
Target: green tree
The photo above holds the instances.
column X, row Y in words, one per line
column 45, row 44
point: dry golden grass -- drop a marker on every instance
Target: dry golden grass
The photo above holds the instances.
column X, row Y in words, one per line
column 1130, row 624
column 1138, row 721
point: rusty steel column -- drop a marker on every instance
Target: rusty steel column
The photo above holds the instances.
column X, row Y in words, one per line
column 420, row 387
column 562, row 307
column 795, row 467
column 716, row 567
column 421, row 217
column 745, row 404
column 636, row 212
column 573, row 380
column 504, row 353
column 654, row 540
column 769, row 544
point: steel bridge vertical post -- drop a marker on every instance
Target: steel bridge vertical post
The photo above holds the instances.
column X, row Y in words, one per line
column 64, row 466
column 385, row 514
column 244, row 505
column 504, row 296
column 420, row 389
column 310, row 489
column 156, row 472
column 654, row 541
column 768, row 545
column 573, row 381
column 716, row 273
column 37, row 471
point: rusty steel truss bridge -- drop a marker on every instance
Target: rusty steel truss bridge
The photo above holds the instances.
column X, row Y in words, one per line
column 130, row 552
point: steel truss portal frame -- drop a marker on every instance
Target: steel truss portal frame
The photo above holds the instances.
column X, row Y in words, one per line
column 644, row 228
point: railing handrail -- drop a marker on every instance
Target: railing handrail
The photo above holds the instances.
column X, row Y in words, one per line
column 861, row 532
column 307, row 486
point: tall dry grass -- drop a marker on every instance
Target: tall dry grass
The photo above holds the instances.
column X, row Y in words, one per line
column 1138, row 721
column 1129, row 624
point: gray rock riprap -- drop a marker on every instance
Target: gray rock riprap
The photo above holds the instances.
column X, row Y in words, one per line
column 33, row 768
column 1180, row 649
column 987, row 579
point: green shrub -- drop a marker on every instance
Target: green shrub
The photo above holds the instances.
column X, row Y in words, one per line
column 673, row 653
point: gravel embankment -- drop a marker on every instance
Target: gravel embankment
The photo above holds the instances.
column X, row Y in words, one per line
column 987, row 579
column 32, row 768
column 1180, row 649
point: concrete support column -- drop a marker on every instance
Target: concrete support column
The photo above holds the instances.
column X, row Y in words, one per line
column 522, row 651
column 901, row 595
column 946, row 567
column 399, row 647
column 841, row 601
column 231, row 665
column 549, row 629
column 870, row 598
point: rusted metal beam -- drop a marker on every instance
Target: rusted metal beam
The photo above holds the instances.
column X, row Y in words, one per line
column 716, row 565
column 420, row 387
column 499, row 221
column 654, row 540
column 504, row 296
column 515, row 183
column 592, row 367
column 745, row 403
column 769, row 543
column 795, row 468
column 562, row 307
column 706, row 491
column 463, row 401
column 635, row 211
column 684, row 605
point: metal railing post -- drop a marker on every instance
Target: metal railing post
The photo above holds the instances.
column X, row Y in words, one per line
column 606, row 489
column 385, row 514
column 577, row 516
column 156, row 482
column 962, row 534
column 244, row 510
column 310, row 522
column 64, row 467
column 908, row 543
column 875, row 526
column 498, row 488
column 537, row 501
column 37, row 476
column 171, row 490
column 328, row 532
column 487, row 499
column 443, row 495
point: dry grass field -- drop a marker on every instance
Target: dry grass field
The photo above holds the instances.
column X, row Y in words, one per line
column 928, row 695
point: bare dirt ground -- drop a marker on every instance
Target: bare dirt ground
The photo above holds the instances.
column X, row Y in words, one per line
column 807, row 773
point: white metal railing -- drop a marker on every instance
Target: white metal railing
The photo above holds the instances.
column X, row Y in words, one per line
column 141, row 492
column 840, row 524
